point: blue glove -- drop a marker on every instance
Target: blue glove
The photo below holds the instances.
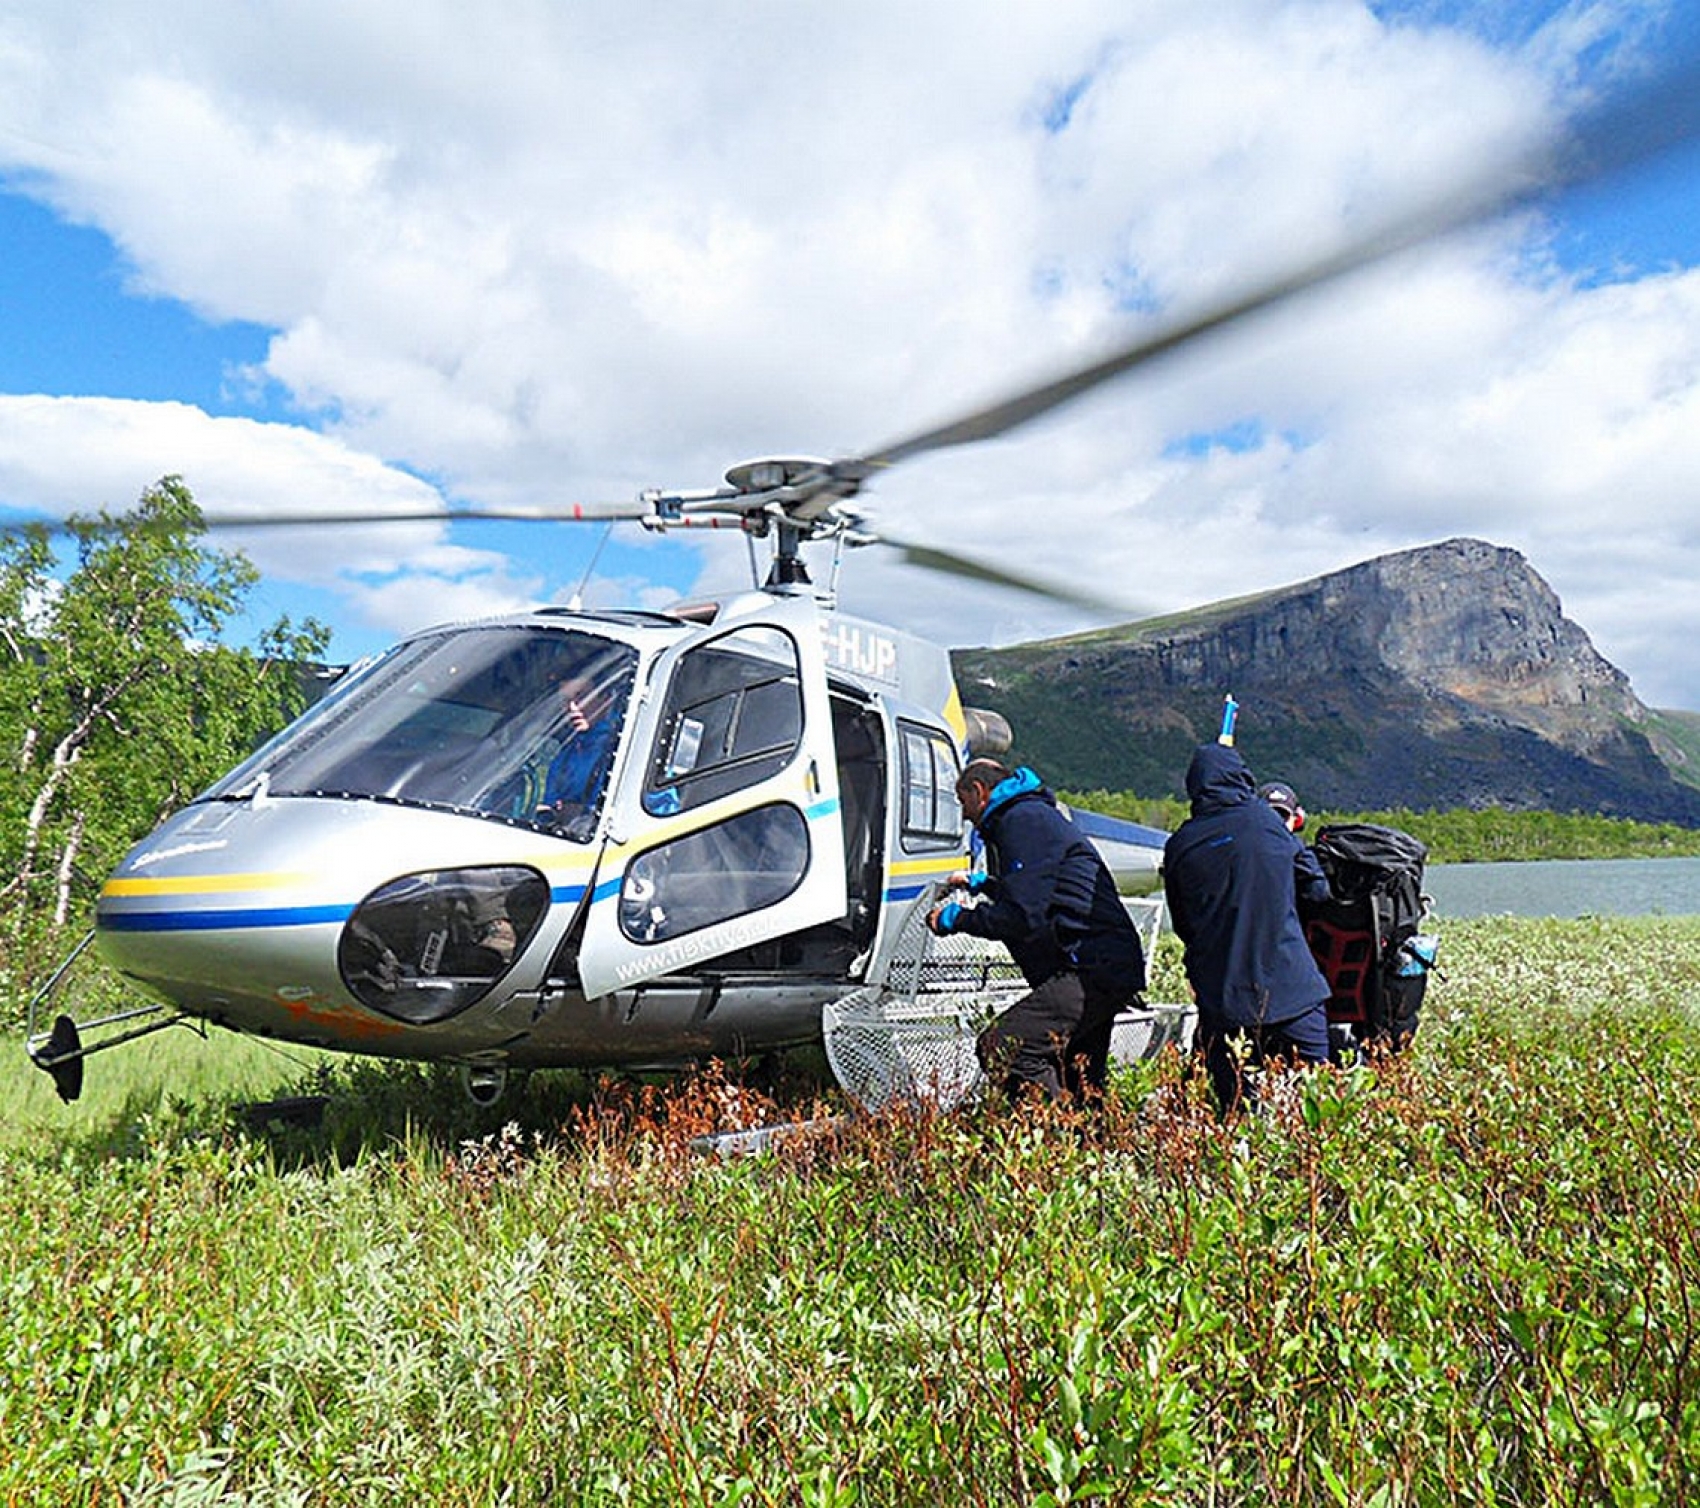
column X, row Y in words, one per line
column 945, row 921
column 977, row 882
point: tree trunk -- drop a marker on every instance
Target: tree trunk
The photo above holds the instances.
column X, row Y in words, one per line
column 67, row 868
column 65, row 754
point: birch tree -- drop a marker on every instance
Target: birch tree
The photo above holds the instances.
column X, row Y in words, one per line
column 119, row 700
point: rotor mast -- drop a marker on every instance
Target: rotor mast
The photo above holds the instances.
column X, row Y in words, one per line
column 797, row 500
column 787, row 570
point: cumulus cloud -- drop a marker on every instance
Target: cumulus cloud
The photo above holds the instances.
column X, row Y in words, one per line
column 549, row 252
column 84, row 455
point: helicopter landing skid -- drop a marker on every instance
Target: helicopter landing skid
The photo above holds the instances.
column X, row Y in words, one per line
column 61, row 1052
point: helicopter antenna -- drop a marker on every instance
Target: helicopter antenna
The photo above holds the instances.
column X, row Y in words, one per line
column 576, row 601
column 830, row 598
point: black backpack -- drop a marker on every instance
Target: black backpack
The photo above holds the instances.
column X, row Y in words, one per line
column 1368, row 940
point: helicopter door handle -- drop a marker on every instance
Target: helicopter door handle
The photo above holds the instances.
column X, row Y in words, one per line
column 814, row 778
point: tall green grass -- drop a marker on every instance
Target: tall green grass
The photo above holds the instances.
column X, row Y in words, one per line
column 136, row 1083
column 1470, row 1275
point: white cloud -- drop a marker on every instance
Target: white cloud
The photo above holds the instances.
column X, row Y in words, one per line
column 82, row 455
column 544, row 252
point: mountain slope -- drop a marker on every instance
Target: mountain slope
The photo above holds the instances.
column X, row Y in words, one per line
column 1437, row 677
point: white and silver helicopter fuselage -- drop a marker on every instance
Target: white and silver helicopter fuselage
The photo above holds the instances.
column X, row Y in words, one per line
column 393, row 875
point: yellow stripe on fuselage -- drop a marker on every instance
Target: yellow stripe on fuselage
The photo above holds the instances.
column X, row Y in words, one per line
column 955, row 717
column 943, row 865
column 557, row 868
column 736, row 804
column 189, row 884
column 230, row 884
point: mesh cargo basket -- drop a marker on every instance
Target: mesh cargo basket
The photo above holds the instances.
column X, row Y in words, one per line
column 910, row 1041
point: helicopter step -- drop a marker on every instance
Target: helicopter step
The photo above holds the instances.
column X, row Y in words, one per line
column 484, row 1083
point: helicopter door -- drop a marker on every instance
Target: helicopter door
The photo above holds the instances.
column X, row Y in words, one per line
column 726, row 828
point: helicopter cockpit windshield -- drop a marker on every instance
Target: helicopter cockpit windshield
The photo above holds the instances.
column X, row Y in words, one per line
column 517, row 723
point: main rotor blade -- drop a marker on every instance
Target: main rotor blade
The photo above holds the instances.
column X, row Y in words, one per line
column 1604, row 143
column 951, row 564
column 596, row 512
column 630, row 508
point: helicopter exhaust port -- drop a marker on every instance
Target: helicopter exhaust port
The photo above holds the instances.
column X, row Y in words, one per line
column 989, row 733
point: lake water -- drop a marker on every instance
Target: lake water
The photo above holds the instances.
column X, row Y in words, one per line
column 1566, row 887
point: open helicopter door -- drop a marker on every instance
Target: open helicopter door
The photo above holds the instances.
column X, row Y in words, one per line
column 726, row 828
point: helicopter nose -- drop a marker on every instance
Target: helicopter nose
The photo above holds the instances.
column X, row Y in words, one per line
column 317, row 917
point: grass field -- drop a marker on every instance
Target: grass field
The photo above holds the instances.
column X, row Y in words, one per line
column 1471, row 1275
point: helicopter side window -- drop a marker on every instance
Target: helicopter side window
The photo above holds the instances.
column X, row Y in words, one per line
column 931, row 816
column 746, row 863
column 733, row 717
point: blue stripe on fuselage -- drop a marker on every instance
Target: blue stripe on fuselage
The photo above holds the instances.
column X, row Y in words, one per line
column 906, row 892
column 219, row 921
column 234, row 919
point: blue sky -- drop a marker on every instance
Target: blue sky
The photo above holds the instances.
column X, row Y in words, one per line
column 538, row 259
column 73, row 327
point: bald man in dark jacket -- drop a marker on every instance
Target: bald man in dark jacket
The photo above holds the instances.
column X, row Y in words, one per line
column 1230, row 875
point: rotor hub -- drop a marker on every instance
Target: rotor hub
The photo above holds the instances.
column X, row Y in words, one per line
column 771, row 473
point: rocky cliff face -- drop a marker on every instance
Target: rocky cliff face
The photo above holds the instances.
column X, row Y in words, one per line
column 1437, row 677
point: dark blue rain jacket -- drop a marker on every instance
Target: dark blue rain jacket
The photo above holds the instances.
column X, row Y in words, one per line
column 579, row 769
column 1231, row 873
column 1049, row 897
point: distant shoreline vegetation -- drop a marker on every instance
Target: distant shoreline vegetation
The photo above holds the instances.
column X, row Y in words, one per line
column 1460, row 836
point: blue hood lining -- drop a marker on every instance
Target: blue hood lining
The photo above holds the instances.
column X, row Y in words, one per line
column 1018, row 784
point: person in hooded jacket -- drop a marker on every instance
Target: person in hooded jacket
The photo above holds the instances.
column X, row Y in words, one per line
column 1047, row 896
column 1232, row 877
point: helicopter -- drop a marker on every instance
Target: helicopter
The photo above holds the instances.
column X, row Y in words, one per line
column 775, row 788
column 773, row 802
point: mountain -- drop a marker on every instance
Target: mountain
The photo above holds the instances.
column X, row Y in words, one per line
column 1438, row 677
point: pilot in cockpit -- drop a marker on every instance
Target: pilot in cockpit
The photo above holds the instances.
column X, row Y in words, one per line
column 588, row 729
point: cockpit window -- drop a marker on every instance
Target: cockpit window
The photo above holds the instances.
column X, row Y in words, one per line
column 517, row 723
